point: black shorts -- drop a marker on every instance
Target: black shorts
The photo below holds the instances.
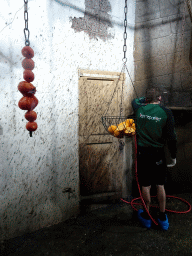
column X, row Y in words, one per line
column 151, row 166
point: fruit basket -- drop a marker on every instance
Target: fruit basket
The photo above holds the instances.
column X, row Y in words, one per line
column 119, row 126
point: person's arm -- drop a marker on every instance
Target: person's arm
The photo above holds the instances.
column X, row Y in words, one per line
column 171, row 136
column 137, row 103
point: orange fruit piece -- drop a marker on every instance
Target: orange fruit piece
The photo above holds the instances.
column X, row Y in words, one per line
column 112, row 128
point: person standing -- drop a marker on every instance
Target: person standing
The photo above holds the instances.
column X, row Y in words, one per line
column 155, row 128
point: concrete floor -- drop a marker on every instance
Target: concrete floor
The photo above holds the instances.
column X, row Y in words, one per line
column 109, row 231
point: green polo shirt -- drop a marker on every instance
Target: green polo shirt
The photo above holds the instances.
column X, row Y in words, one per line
column 155, row 125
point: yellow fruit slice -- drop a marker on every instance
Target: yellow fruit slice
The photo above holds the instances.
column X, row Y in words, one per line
column 131, row 121
column 116, row 133
column 121, row 126
column 112, row 128
column 133, row 126
column 130, row 130
column 127, row 130
column 127, row 123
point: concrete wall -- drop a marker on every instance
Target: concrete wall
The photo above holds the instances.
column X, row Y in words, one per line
column 179, row 178
column 162, row 49
column 66, row 36
column 162, row 56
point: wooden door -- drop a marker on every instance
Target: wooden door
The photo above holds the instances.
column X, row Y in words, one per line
column 100, row 160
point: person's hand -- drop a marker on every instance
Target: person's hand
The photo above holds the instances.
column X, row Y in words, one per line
column 173, row 163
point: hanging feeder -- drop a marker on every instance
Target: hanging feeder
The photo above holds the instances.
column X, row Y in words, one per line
column 120, row 126
column 28, row 101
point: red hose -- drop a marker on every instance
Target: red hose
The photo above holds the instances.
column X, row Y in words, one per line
column 142, row 200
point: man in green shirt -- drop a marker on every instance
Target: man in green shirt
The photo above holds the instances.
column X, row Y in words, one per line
column 155, row 128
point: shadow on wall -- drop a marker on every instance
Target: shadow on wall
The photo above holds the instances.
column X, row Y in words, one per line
column 179, row 178
column 96, row 20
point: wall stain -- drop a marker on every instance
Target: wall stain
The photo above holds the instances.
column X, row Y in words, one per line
column 6, row 59
column 96, row 20
column 94, row 170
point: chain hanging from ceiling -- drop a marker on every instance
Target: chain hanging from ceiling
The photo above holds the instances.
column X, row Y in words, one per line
column 120, row 126
column 28, row 101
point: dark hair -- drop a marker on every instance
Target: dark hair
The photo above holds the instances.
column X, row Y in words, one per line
column 152, row 94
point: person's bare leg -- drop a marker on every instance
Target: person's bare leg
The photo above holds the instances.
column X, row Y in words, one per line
column 146, row 196
column 161, row 196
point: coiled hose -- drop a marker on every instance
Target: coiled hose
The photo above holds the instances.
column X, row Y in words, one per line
column 132, row 203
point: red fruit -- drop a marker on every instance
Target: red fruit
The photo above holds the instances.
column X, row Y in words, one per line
column 31, row 126
column 28, row 64
column 27, row 89
column 28, row 103
column 28, row 75
column 31, row 116
column 27, row 52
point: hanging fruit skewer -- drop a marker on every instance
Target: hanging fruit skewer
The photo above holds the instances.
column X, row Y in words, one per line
column 28, row 101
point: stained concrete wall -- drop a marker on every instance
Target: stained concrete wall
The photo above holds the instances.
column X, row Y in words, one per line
column 162, row 57
column 35, row 172
column 162, row 49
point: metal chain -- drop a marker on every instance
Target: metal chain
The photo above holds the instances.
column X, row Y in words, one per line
column 123, row 82
column 125, row 51
column 26, row 30
column 124, row 65
column 125, row 33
